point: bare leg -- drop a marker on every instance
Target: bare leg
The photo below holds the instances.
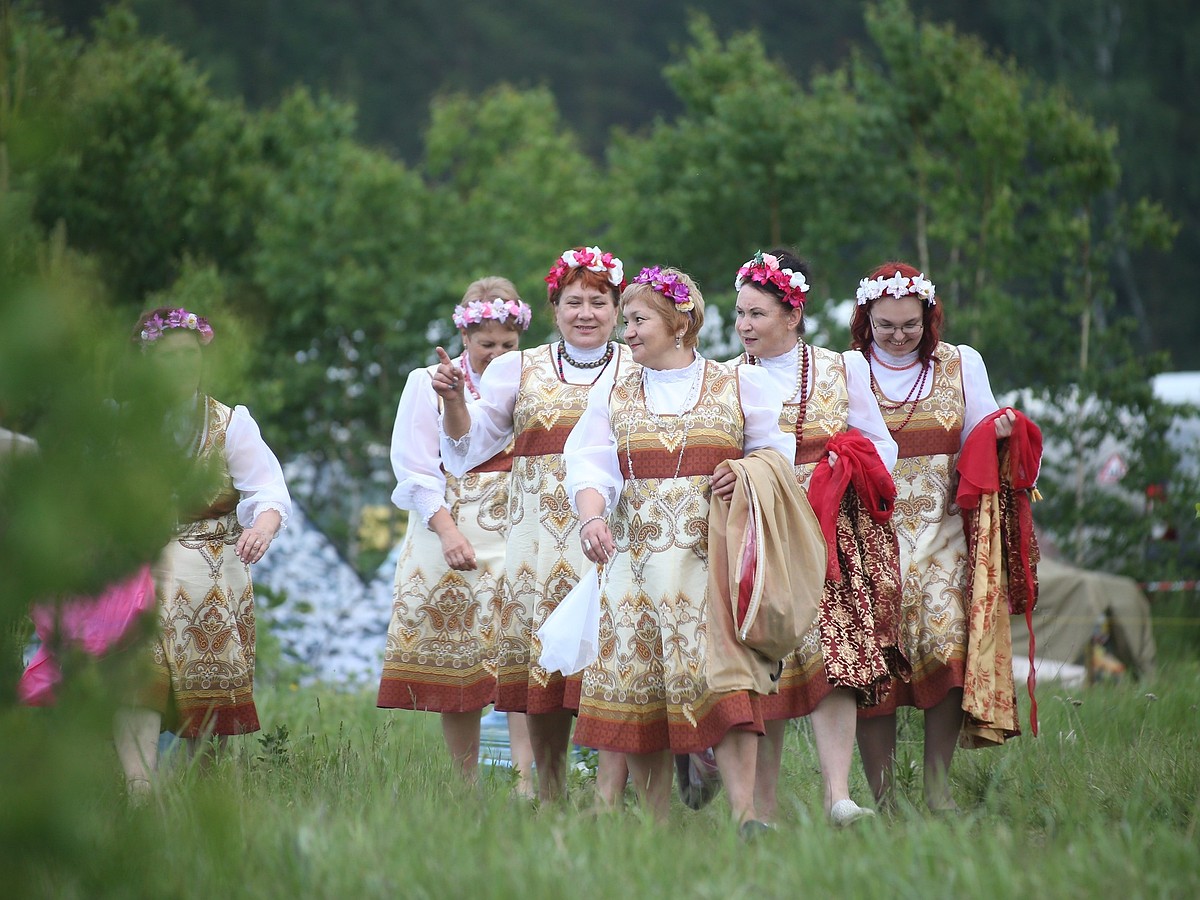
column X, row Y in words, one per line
column 770, row 759
column 549, row 734
column 833, row 723
column 653, row 774
column 942, row 726
column 737, row 755
column 877, row 746
column 135, row 733
column 612, row 773
column 521, row 752
column 461, row 733
column 205, row 749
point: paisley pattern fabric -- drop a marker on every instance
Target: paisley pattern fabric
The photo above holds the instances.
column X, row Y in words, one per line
column 439, row 641
column 204, row 656
column 544, row 559
column 933, row 548
column 868, row 554
column 647, row 691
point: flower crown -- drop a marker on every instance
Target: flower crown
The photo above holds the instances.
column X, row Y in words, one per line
column 500, row 310
column 154, row 327
column 591, row 258
column 764, row 269
column 897, row 286
column 670, row 285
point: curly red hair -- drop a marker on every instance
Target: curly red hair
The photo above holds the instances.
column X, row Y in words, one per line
column 931, row 316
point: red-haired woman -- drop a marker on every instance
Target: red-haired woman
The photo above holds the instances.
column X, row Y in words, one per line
column 533, row 398
column 932, row 394
column 439, row 641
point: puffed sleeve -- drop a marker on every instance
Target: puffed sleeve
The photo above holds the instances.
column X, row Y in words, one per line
column 416, row 460
column 977, row 390
column 761, row 408
column 255, row 471
column 864, row 409
column 491, row 417
column 591, row 451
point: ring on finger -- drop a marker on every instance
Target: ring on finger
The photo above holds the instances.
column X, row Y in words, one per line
column 587, row 545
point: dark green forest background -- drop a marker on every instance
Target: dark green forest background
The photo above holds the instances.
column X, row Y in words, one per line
column 324, row 179
column 1134, row 64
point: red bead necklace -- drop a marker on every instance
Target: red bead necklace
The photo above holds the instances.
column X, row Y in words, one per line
column 913, row 397
column 801, row 387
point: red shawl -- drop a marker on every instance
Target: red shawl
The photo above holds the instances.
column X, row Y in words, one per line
column 996, row 480
column 859, row 463
column 859, row 614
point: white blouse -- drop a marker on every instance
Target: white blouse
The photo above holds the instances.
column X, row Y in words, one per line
column 416, row 451
column 492, row 416
column 864, row 410
column 977, row 390
column 255, row 471
column 591, row 449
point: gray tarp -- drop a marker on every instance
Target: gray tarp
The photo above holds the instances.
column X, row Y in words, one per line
column 1071, row 604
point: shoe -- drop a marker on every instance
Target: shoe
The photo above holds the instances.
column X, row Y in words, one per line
column 847, row 812
column 751, row 829
column 138, row 792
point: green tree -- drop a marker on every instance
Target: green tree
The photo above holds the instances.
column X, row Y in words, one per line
column 151, row 166
column 509, row 190
column 337, row 321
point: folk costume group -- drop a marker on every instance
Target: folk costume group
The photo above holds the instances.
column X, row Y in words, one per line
column 795, row 532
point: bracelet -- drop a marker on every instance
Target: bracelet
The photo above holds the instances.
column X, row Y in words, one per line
column 585, row 522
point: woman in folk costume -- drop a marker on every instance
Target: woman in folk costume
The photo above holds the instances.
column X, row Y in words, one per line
column 932, row 395
column 532, row 399
column 641, row 466
column 448, row 574
column 851, row 655
column 203, row 657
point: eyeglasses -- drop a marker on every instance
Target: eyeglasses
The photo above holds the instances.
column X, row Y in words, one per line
column 910, row 328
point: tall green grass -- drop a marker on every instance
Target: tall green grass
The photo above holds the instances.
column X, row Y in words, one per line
column 339, row 799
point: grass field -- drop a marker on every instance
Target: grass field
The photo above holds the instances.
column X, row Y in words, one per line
column 338, row 799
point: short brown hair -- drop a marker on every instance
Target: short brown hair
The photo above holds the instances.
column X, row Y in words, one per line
column 665, row 307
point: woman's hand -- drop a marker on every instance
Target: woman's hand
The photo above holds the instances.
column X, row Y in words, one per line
column 833, row 458
column 448, row 379
column 723, row 481
column 597, row 541
column 258, row 537
column 1004, row 424
column 457, row 550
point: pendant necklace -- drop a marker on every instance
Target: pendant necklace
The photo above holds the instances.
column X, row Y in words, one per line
column 660, row 422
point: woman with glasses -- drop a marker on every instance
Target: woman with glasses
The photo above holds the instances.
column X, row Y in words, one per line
column 932, row 394
column 842, row 662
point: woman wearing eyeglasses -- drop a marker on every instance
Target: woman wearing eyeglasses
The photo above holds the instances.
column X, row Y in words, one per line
column 932, row 394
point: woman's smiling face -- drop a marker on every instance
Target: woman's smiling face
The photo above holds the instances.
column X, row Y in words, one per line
column 585, row 317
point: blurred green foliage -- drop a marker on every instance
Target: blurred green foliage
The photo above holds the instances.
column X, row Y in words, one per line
column 329, row 266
